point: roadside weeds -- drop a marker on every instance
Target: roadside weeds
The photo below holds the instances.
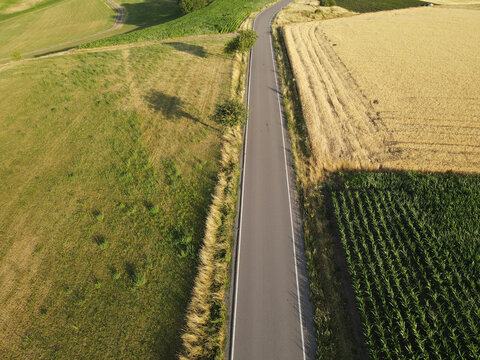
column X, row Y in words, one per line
column 206, row 330
column 333, row 311
column 205, row 334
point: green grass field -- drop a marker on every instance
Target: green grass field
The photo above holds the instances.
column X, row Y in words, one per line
column 52, row 22
column 412, row 244
column 12, row 8
column 222, row 16
column 362, row 6
column 107, row 161
column 48, row 24
column 64, row 21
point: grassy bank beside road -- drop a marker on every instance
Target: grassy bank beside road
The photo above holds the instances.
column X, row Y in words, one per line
column 108, row 167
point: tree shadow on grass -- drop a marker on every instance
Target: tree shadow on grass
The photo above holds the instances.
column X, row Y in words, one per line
column 189, row 49
column 130, row 270
column 171, row 107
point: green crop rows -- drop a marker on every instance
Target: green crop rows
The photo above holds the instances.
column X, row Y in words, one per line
column 377, row 5
column 412, row 245
column 221, row 16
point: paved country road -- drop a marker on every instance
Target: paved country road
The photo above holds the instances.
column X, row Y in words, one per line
column 119, row 20
column 272, row 315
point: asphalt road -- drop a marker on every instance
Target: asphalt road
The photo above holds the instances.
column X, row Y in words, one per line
column 272, row 315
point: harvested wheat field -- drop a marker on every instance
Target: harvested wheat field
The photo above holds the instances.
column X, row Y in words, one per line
column 300, row 11
column 396, row 90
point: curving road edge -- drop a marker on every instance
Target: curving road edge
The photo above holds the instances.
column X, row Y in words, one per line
column 119, row 20
column 271, row 313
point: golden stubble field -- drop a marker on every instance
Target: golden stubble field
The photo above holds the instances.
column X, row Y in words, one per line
column 394, row 90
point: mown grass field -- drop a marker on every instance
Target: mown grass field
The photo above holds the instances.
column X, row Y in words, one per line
column 52, row 22
column 12, row 8
column 221, row 16
column 108, row 161
column 412, row 244
column 299, row 11
column 63, row 21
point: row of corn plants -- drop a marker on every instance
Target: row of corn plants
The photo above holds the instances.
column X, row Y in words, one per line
column 416, row 285
column 220, row 17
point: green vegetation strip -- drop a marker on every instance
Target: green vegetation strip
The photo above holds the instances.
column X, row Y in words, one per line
column 363, row 6
column 412, row 244
column 221, row 16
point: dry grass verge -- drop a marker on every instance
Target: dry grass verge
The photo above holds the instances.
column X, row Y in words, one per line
column 205, row 333
column 206, row 324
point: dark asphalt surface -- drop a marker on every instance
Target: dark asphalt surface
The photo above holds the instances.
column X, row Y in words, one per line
column 270, row 282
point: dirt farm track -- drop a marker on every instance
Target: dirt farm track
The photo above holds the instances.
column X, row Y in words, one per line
column 397, row 90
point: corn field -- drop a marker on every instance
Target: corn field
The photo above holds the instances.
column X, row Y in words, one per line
column 412, row 245
column 221, row 16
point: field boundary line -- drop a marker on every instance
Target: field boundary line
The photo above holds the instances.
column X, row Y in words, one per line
column 139, row 44
column 7, row 65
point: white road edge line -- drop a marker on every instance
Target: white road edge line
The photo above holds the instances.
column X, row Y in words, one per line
column 288, row 191
column 232, row 348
